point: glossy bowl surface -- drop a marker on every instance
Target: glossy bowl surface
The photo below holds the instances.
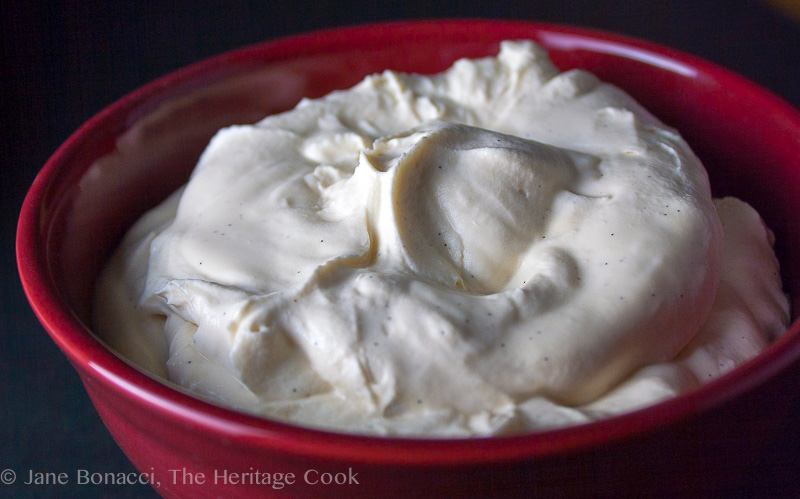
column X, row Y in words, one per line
column 138, row 150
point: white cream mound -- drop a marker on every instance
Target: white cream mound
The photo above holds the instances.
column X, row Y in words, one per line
column 497, row 248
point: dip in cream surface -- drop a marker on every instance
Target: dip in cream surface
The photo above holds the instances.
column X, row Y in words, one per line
column 497, row 248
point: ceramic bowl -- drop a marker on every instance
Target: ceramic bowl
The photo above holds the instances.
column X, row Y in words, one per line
column 131, row 155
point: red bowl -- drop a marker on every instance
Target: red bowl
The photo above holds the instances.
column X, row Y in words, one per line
column 131, row 155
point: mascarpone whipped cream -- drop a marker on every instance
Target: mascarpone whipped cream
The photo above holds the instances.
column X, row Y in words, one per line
column 497, row 248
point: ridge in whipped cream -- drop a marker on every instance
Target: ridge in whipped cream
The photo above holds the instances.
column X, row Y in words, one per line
column 498, row 248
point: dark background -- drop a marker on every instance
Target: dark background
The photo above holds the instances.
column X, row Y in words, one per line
column 62, row 62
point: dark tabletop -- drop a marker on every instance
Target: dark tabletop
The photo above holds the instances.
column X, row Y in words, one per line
column 62, row 62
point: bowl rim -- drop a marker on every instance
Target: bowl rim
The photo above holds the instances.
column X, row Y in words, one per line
column 91, row 357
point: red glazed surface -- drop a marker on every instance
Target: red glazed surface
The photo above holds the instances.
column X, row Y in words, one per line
column 131, row 155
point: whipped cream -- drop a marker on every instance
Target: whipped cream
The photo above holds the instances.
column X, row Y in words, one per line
column 497, row 248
